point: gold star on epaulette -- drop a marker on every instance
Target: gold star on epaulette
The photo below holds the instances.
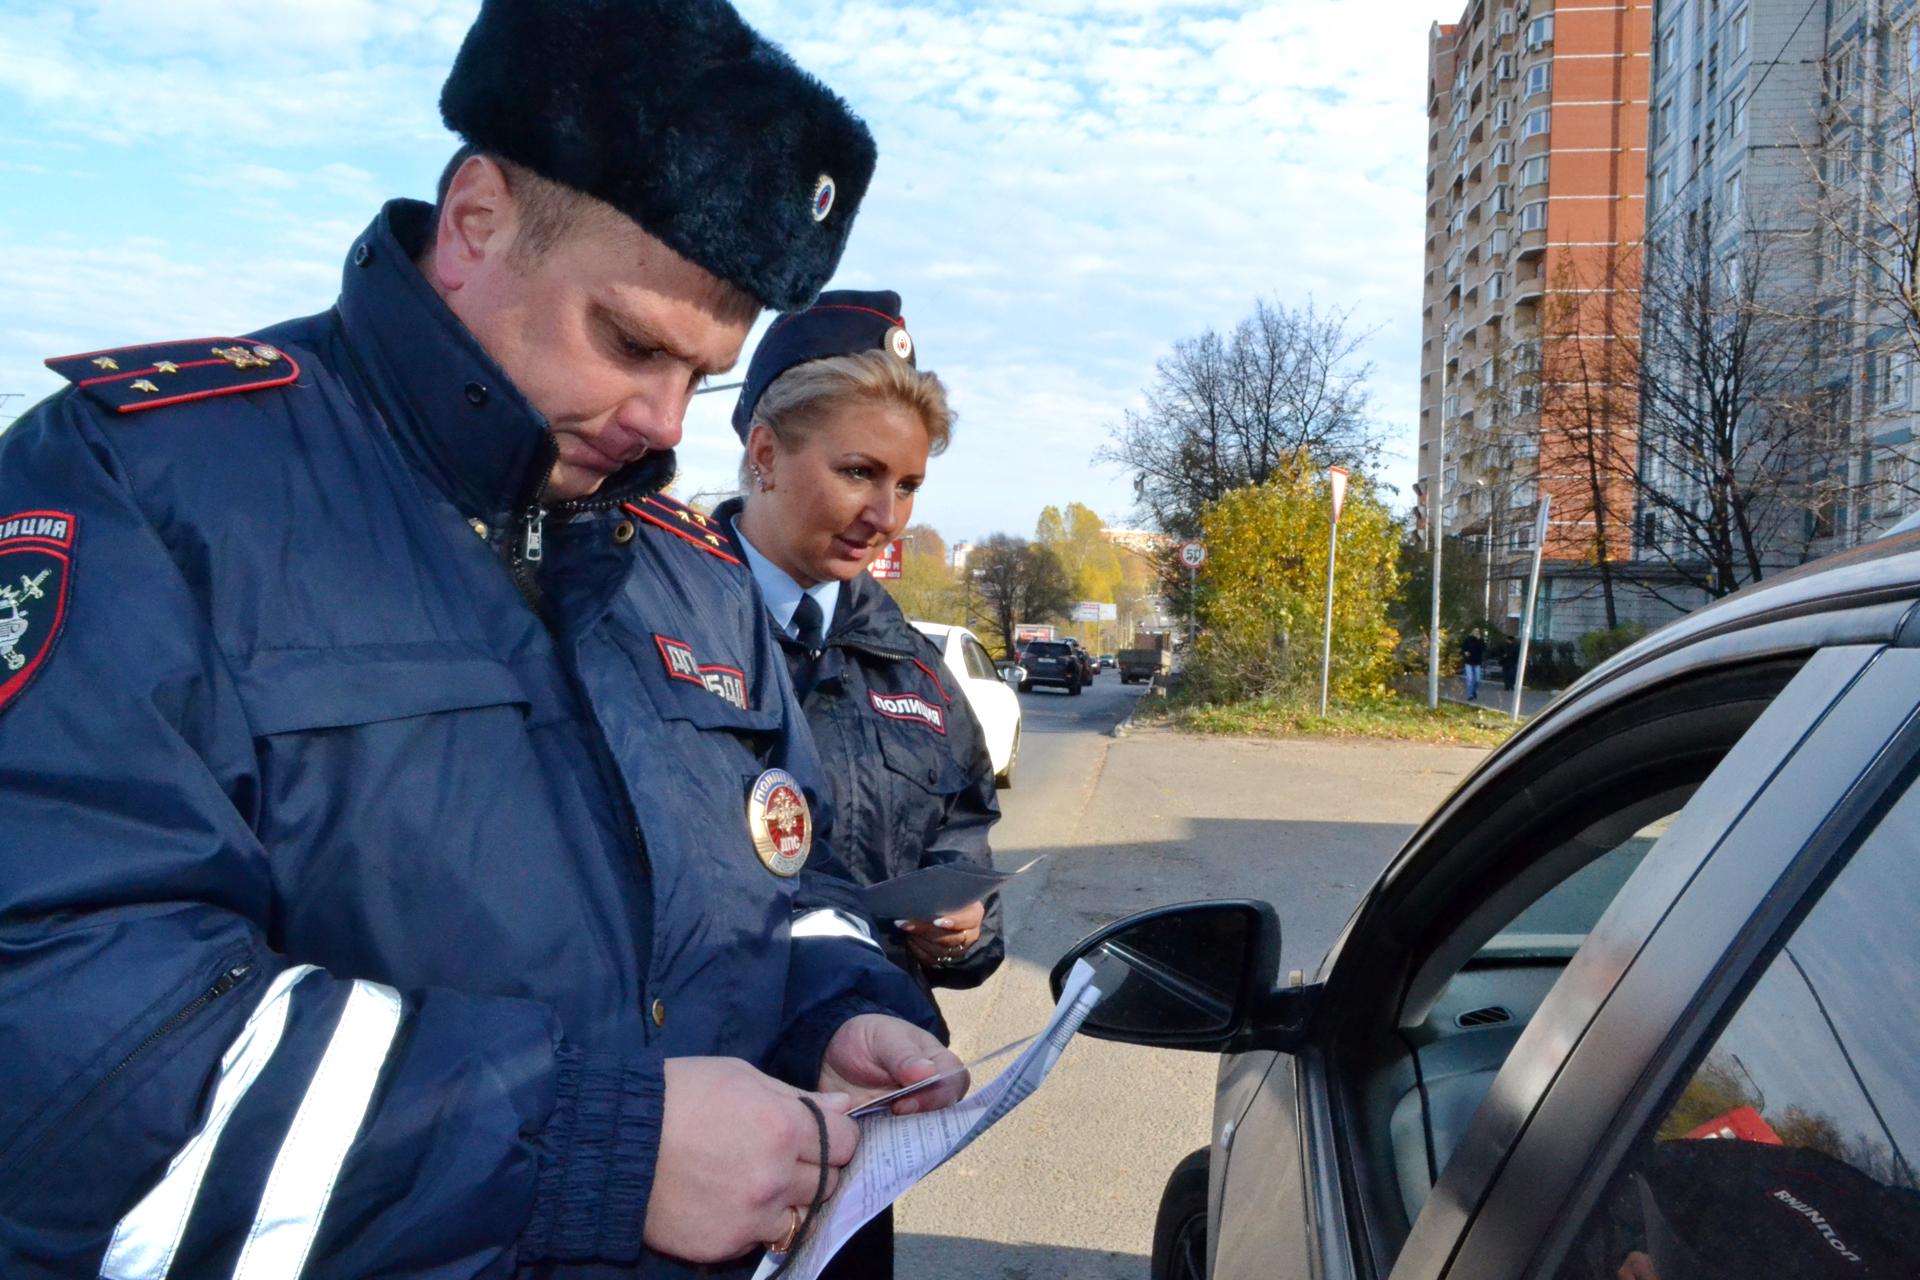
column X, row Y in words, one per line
column 165, row 366
column 143, row 385
column 683, row 515
column 105, row 362
column 715, row 541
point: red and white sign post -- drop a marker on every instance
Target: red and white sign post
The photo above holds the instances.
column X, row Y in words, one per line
column 886, row 565
column 1192, row 555
column 1337, row 479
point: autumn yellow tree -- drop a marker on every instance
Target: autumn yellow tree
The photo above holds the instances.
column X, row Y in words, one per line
column 1263, row 589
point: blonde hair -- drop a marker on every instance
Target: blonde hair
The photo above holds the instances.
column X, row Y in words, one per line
column 801, row 398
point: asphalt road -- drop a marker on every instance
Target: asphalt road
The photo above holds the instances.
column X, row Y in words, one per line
column 1066, row 1187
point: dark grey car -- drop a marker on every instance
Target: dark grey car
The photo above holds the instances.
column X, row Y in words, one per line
column 1642, row 999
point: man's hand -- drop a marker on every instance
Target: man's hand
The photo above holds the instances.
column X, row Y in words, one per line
column 738, row 1151
column 875, row 1053
column 946, row 939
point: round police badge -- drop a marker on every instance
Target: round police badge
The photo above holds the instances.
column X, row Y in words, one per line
column 780, row 821
column 823, row 191
column 900, row 343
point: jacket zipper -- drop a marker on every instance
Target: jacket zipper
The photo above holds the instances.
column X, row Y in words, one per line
column 221, row 986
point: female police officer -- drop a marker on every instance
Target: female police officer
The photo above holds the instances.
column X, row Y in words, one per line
column 838, row 424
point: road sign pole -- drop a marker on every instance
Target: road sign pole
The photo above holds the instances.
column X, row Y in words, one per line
column 1533, row 591
column 1192, row 571
column 1337, row 486
column 1326, row 636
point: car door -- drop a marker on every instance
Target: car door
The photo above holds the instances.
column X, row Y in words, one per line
column 995, row 704
column 1447, row 1004
column 1761, row 989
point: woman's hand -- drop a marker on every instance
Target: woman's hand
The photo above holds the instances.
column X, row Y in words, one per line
column 946, row 938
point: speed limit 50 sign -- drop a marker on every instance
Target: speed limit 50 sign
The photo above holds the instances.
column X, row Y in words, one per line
column 1193, row 554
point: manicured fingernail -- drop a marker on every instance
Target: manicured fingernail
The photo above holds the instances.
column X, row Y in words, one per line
column 944, row 923
column 900, row 924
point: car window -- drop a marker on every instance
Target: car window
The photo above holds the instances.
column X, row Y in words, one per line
column 1559, row 920
column 1791, row 1148
column 979, row 665
column 1048, row 649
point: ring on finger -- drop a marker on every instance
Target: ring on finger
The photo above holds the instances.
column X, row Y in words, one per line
column 784, row 1243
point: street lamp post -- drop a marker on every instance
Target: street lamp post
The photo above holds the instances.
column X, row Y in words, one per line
column 1436, row 529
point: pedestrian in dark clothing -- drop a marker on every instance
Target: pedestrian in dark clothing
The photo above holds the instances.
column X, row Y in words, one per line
column 1473, row 652
column 1509, row 662
column 839, row 422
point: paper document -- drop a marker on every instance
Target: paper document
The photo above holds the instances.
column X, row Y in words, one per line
column 897, row 1151
column 924, row 894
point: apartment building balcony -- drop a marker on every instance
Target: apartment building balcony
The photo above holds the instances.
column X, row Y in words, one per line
column 1530, row 244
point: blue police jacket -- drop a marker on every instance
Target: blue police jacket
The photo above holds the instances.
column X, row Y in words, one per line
column 372, row 834
column 905, row 758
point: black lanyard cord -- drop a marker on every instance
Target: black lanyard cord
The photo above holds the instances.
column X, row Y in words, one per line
column 819, row 1191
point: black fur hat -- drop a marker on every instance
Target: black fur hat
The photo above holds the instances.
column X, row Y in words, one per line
column 681, row 116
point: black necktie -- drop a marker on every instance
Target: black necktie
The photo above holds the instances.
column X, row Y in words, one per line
column 806, row 623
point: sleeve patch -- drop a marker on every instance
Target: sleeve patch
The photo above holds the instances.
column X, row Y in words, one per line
column 36, row 570
column 130, row 379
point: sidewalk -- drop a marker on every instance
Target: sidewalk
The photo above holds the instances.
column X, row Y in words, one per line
column 1496, row 698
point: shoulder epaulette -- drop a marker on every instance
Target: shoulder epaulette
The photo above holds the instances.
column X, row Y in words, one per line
column 129, row 379
column 682, row 521
column 937, row 682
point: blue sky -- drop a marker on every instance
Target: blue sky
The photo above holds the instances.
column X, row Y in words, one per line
column 1066, row 187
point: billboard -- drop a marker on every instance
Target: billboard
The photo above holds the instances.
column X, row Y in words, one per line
column 1025, row 631
column 1095, row 611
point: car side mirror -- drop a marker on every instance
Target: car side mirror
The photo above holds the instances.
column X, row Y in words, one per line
column 1195, row 976
column 1013, row 675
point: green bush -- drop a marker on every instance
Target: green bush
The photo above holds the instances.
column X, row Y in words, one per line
column 1597, row 646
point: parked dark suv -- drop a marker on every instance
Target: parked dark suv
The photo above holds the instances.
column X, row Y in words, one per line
column 1051, row 662
column 1641, row 999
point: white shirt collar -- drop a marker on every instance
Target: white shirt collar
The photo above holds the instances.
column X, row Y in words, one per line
column 782, row 593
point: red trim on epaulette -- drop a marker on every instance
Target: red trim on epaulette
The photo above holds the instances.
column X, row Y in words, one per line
column 290, row 375
column 686, row 534
column 945, row 696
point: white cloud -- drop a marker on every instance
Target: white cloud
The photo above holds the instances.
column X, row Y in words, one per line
column 1066, row 187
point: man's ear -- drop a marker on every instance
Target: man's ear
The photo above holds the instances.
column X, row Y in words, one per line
column 478, row 220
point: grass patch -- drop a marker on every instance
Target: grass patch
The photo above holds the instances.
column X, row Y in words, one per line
column 1398, row 719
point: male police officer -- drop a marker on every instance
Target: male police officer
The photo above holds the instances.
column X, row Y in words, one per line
column 404, row 809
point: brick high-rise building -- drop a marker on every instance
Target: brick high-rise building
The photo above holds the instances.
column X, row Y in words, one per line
column 1536, row 177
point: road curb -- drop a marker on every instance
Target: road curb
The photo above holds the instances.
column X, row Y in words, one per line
column 1126, row 723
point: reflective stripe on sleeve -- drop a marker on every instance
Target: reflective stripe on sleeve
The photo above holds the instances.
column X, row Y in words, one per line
column 323, row 1129
column 145, row 1241
column 826, row 923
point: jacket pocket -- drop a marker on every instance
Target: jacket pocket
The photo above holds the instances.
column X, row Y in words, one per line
column 921, row 757
column 285, row 692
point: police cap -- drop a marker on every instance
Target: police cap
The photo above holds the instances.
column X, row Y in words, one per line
column 843, row 322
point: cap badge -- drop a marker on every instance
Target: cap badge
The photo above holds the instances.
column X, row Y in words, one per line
column 780, row 821
column 823, row 191
column 900, row 343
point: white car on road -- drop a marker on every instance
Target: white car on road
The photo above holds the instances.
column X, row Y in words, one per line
column 994, row 704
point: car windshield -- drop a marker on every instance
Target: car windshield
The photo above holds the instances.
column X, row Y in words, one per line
column 1048, row 649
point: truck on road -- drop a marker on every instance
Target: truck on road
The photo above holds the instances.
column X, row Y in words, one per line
column 1150, row 656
